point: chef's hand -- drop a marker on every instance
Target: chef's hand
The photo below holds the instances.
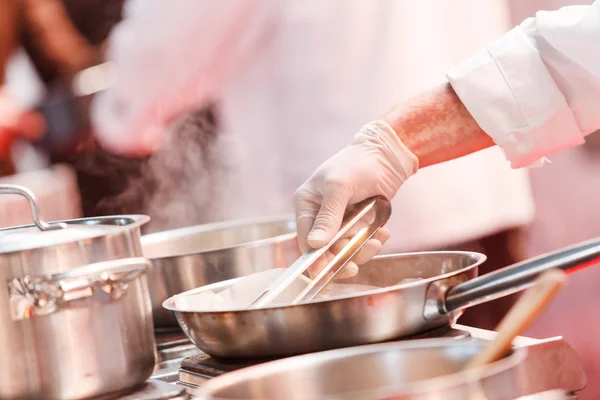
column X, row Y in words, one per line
column 15, row 122
column 375, row 163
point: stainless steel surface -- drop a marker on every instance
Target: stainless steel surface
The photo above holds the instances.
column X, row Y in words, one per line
column 382, row 209
column 188, row 258
column 26, row 250
column 60, row 245
column 98, row 340
column 35, row 296
column 172, row 350
column 521, row 276
column 378, row 315
column 421, row 369
column 156, row 390
column 548, row 395
column 418, row 370
column 553, row 364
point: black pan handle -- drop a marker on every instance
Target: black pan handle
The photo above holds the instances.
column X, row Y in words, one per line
column 520, row 276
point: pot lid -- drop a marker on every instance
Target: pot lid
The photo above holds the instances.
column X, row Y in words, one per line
column 44, row 234
column 31, row 237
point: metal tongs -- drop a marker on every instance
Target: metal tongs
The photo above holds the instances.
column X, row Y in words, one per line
column 382, row 208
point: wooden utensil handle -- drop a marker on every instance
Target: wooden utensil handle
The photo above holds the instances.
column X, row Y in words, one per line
column 528, row 307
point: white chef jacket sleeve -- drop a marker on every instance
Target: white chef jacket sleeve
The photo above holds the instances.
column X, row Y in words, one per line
column 536, row 90
column 171, row 56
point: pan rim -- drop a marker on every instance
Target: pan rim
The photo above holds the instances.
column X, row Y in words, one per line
column 480, row 258
column 160, row 236
column 513, row 359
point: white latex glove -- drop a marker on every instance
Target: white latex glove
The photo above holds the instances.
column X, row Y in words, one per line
column 375, row 163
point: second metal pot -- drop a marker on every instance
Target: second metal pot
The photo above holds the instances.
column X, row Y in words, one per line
column 187, row 258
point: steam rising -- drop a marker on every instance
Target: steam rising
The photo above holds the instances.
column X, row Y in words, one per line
column 180, row 185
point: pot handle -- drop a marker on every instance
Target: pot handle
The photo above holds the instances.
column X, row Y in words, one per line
column 41, row 295
column 33, row 204
column 520, row 276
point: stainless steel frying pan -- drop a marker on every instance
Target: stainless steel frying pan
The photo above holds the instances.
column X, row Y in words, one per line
column 395, row 310
column 425, row 370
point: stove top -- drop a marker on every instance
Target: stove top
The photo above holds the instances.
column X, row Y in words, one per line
column 171, row 348
column 157, row 390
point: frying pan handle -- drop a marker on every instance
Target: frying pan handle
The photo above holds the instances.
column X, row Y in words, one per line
column 520, row 276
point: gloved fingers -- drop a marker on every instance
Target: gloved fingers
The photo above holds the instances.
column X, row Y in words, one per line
column 369, row 249
column 361, row 224
column 306, row 207
column 319, row 264
column 366, row 253
column 383, row 234
column 329, row 218
column 349, row 270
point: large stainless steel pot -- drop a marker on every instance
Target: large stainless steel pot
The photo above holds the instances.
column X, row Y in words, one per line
column 393, row 310
column 424, row 369
column 188, row 258
column 68, row 331
column 78, row 334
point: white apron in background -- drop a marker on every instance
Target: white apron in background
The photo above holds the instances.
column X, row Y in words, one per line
column 308, row 74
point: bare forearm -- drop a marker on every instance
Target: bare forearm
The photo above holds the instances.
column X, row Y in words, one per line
column 436, row 127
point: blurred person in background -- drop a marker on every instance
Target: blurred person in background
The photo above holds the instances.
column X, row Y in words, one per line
column 48, row 42
column 291, row 79
column 41, row 47
column 15, row 120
